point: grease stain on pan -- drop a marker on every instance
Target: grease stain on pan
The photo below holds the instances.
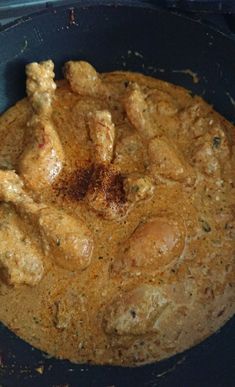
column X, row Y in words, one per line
column 153, row 382
column 155, row 70
column 231, row 99
column 171, row 369
column 38, row 35
column 195, row 77
column 23, row 46
column 136, row 54
column 72, row 21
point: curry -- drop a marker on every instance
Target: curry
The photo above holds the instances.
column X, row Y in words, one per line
column 117, row 225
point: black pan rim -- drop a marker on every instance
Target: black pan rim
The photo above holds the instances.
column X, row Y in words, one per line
column 117, row 4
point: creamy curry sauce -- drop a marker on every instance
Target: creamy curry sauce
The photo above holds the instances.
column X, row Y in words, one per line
column 117, row 216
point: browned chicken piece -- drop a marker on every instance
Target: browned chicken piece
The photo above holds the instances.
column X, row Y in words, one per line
column 166, row 162
column 153, row 246
column 138, row 187
column 106, row 195
column 102, row 133
column 134, row 312
column 65, row 237
column 138, row 113
column 43, row 157
column 20, row 262
column 83, row 78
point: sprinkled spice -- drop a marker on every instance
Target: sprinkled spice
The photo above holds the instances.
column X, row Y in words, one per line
column 95, row 179
column 76, row 184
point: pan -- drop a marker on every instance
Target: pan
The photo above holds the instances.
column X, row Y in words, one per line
column 134, row 36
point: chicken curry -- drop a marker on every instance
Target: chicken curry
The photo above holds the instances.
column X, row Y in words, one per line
column 117, row 216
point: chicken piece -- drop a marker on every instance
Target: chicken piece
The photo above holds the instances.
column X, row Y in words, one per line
column 65, row 237
column 138, row 188
column 163, row 102
column 206, row 161
column 163, row 309
column 211, row 152
column 40, row 86
column 195, row 117
column 152, row 247
column 166, row 108
column 134, row 312
column 83, row 78
column 102, row 133
column 165, row 161
column 79, row 117
column 106, row 195
column 138, row 112
column 20, row 262
column 43, row 157
column 11, row 187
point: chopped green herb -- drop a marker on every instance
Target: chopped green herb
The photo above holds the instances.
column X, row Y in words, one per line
column 135, row 188
column 216, row 241
column 216, row 142
column 5, row 255
column 35, row 319
column 133, row 313
column 5, row 164
column 57, row 242
column 205, row 226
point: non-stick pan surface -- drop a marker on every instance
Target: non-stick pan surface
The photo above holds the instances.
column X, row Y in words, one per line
column 138, row 37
